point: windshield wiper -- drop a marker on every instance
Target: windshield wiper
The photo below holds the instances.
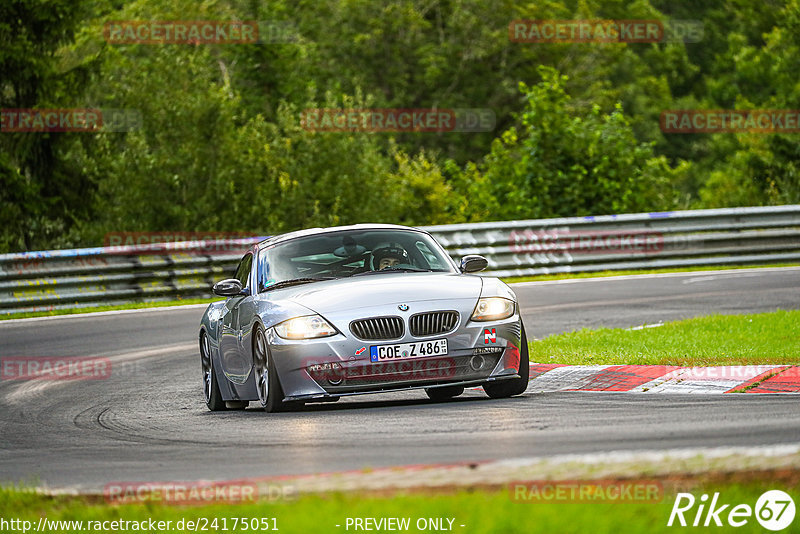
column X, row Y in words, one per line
column 297, row 281
column 394, row 270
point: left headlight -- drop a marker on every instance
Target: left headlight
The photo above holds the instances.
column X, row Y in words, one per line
column 306, row 327
column 493, row 309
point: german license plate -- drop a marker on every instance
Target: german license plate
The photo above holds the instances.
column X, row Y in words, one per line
column 420, row 349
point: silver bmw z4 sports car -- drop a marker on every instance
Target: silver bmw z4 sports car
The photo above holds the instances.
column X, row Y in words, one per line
column 318, row 314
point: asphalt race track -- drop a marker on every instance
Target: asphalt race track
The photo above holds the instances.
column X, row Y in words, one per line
column 148, row 422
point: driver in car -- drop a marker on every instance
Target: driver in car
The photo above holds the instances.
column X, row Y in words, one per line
column 387, row 256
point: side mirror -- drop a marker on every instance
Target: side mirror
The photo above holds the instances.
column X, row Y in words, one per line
column 473, row 263
column 229, row 287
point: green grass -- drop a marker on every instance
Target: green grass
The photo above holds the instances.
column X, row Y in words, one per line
column 603, row 274
column 130, row 306
column 766, row 338
column 480, row 511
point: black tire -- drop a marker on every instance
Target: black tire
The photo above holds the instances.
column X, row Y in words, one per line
column 444, row 393
column 210, row 386
column 270, row 392
column 515, row 386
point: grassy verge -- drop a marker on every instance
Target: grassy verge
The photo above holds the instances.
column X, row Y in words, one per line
column 483, row 511
column 766, row 338
column 603, row 274
column 131, row 306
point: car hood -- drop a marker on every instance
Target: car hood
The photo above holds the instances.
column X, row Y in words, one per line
column 379, row 289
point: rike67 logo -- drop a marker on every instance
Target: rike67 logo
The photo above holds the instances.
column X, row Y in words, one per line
column 774, row 510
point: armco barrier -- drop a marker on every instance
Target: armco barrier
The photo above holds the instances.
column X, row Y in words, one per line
column 630, row 241
column 33, row 281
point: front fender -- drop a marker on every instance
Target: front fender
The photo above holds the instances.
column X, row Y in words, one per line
column 494, row 287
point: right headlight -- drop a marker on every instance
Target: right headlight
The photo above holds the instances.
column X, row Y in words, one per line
column 493, row 309
column 306, row 327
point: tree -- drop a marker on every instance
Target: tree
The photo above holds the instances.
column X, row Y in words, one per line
column 563, row 164
column 760, row 168
column 46, row 192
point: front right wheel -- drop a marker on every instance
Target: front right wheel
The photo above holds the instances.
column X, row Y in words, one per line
column 270, row 392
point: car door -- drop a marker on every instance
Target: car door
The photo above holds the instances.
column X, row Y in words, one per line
column 236, row 362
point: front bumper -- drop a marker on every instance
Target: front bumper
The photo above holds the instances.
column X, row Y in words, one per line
column 399, row 387
column 322, row 369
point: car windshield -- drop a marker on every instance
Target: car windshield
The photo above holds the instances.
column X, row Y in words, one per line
column 349, row 253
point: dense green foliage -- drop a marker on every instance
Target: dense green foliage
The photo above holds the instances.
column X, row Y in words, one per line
column 221, row 145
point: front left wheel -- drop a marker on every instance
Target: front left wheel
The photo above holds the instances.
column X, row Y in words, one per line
column 270, row 392
column 210, row 386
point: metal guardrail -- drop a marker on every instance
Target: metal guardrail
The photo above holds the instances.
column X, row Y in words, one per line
column 77, row 278
column 631, row 241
